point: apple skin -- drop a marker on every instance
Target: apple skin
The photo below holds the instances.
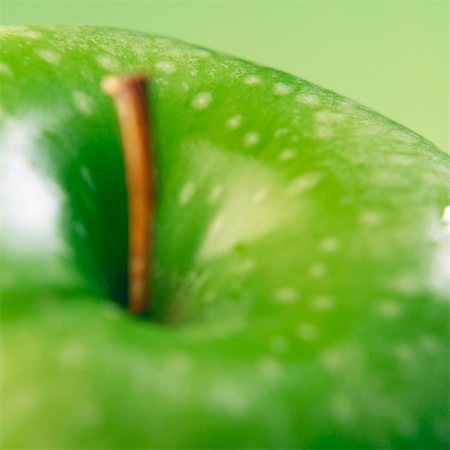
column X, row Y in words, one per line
column 300, row 280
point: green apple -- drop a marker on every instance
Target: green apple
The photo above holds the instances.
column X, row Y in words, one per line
column 300, row 278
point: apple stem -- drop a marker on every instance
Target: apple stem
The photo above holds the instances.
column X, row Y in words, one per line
column 130, row 98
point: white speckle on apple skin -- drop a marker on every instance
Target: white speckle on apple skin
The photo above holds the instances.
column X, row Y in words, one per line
column 112, row 311
column 307, row 332
column 385, row 178
column 388, row 309
column 270, row 368
column 323, row 132
column 85, row 174
column 175, row 52
column 286, row 295
column 230, row 397
column 371, row 218
column 5, row 69
column 20, row 31
column 252, row 79
column 200, row 53
column 202, row 100
column 89, row 415
column 8, row 279
column 178, row 364
column 441, row 429
column 405, row 136
column 259, row 196
column 317, row 270
column 24, row 403
column 72, row 355
column 307, row 99
column 83, row 102
column 49, row 56
column 431, row 178
column 429, row 343
column 186, row 193
column 209, row 296
column 281, row 132
column 304, row 183
column 234, row 122
column 404, row 283
column 322, row 302
column 79, row 229
column 367, row 131
column 400, row 160
column 245, row 266
column 278, row 344
column 342, row 408
column 287, row 154
column 282, row 89
column 329, row 117
column 215, row 193
column 166, row 66
column 251, row 138
column 107, row 62
column 329, row 245
column 404, row 352
column 332, row 360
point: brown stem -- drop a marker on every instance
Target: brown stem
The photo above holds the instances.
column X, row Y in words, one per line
column 129, row 94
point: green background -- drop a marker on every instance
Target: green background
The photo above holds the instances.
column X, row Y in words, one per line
column 390, row 55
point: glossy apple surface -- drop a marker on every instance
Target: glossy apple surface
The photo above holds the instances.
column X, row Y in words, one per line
column 300, row 280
